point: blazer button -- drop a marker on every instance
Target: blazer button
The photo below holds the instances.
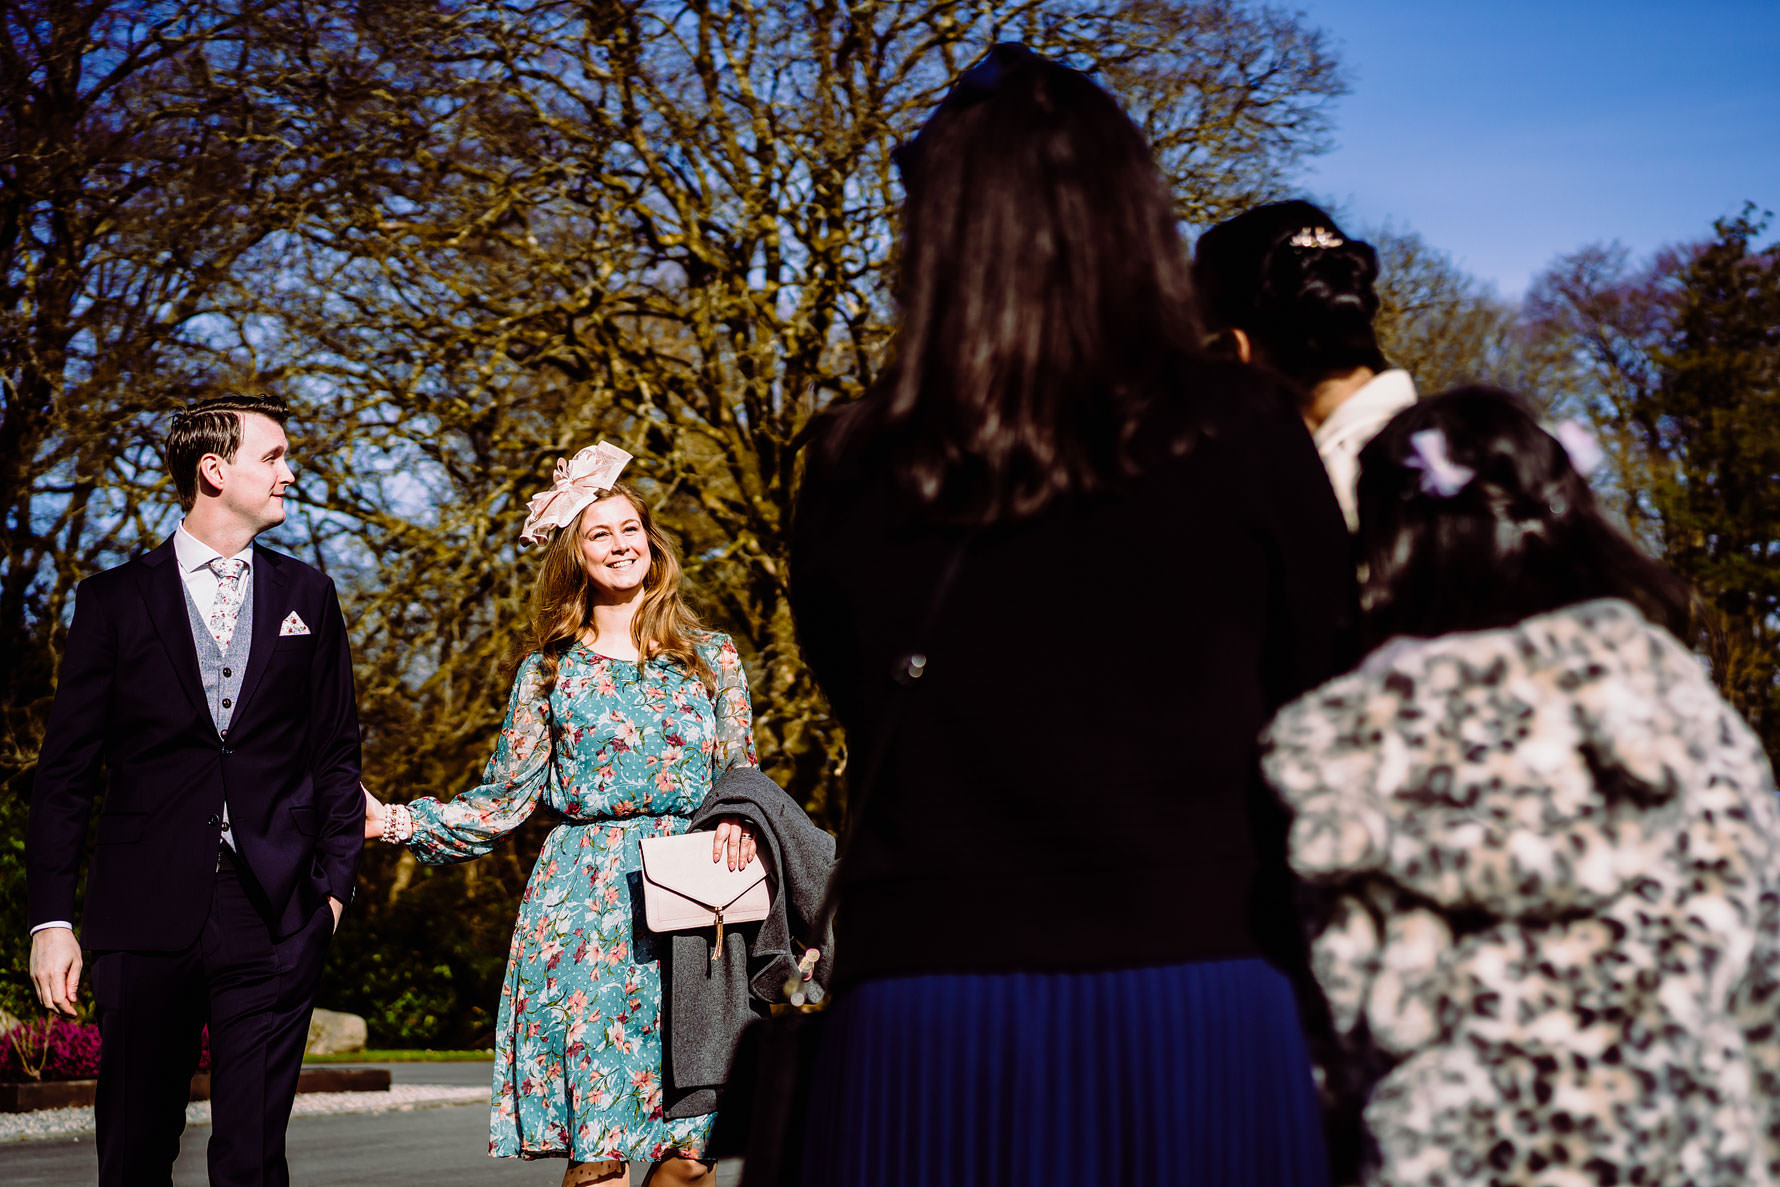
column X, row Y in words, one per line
column 225, row 752
column 214, row 820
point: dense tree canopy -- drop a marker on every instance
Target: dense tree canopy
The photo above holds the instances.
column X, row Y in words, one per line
column 466, row 238
column 1446, row 328
column 148, row 154
column 1681, row 366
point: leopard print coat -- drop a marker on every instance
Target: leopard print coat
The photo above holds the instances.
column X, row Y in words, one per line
column 1549, row 862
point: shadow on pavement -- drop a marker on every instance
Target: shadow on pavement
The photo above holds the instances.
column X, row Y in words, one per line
column 434, row 1145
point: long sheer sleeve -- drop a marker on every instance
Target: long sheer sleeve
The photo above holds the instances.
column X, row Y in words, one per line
column 733, row 708
column 469, row 826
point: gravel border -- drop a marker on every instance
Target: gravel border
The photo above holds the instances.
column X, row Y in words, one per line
column 401, row 1098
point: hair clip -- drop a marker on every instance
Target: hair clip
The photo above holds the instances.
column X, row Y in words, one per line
column 1315, row 237
column 1441, row 476
column 1579, row 442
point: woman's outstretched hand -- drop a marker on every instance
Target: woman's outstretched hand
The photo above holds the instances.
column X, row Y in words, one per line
column 373, row 815
column 735, row 835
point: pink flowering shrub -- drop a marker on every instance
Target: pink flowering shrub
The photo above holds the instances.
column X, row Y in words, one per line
column 50, row 1049
column 57, row 1049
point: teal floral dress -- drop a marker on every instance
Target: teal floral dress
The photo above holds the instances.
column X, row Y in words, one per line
column 578, row 1070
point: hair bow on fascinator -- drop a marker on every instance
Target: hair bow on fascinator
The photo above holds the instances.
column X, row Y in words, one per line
column 585, row 478
column 1579, row 442
column 1441, row 476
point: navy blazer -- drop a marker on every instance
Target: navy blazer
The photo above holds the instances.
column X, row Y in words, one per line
column 130, row 719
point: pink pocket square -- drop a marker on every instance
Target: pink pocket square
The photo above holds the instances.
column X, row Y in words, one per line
column 292, row 626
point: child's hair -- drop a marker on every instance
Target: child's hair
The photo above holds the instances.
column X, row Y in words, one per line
column 1300, row 287
column 1522, row 536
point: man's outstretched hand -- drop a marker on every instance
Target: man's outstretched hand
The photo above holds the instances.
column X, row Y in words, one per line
column 55, row 968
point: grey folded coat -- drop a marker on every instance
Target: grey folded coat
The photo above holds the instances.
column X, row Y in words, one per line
column 708, row 1002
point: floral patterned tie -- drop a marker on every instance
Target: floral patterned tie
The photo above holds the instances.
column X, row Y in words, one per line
column 227, row 607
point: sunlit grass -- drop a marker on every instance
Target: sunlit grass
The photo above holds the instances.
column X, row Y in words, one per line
column 379, row 1055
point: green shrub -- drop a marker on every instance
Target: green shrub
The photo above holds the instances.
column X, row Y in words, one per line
column 425, row 971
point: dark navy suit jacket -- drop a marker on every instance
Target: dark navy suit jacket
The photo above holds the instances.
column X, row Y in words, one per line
column 130, row 720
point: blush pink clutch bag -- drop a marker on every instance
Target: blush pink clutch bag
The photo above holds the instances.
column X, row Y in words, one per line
column 684, row 890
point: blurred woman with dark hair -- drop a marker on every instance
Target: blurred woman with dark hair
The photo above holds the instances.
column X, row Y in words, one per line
column 1106, row 559
column 1551, row 850
column 1283, row 287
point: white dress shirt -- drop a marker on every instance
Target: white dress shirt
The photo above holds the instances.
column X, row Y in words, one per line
column 194, row 557
column 1354, row 423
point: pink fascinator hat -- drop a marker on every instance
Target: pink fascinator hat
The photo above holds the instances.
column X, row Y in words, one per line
column 585, row 478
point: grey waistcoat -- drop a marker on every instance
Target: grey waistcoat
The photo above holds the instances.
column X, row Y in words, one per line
column 222, row 670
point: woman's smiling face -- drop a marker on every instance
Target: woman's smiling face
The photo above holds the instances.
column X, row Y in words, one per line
column 614, row 547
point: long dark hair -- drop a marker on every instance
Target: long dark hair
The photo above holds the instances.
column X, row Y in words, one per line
column 1300, row 287
column 1523, row 536
column 1045, row 297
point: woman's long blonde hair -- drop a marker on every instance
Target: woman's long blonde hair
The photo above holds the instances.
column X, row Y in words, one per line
column 562, row 603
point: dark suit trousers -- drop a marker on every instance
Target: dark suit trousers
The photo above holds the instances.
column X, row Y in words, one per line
column 256, row 993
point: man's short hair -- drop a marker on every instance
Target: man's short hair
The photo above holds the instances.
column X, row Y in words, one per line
column 212, row 426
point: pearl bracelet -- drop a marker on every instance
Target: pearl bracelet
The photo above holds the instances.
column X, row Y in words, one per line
column 398, row 824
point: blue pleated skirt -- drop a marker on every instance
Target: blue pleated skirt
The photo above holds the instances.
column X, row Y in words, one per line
column 1192, row 1075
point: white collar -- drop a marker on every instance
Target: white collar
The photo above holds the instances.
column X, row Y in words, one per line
column 1379, row 399
column 194, row 554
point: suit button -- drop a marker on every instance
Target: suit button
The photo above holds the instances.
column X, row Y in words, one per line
column 225, row 752
column 214, row 820
column 227, row 703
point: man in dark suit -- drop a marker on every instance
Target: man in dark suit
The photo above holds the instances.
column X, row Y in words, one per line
column 206, row 688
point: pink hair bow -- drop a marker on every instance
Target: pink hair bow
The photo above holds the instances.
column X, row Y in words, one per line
column 585, row 478
column 1441, row 476
column 1585, row 452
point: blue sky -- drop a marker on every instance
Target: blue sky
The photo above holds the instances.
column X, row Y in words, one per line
column 1509, row 132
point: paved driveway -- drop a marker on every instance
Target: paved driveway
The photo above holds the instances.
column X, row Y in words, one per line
column 437, row 1145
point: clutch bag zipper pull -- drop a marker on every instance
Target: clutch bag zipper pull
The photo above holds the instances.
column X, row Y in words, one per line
column 717, row 948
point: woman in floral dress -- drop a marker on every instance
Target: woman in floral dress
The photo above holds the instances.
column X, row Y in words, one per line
column 621, row 716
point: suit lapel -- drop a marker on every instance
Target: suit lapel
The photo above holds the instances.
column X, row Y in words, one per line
column 164, row 594
column 268, row 599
